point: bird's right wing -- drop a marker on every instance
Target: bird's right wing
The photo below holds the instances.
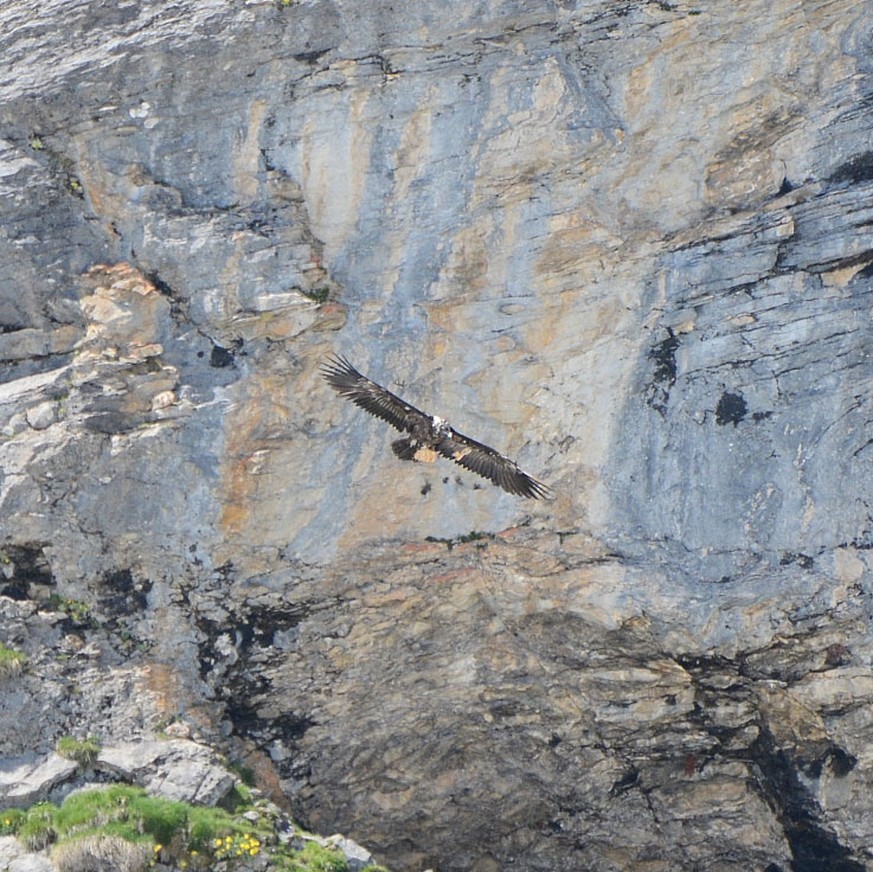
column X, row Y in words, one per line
column 491, row 464
column 373, row 398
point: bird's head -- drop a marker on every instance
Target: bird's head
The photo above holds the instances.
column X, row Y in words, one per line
column 440, row 425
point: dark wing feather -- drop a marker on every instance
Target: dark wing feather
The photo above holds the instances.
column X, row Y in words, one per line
column 492, row 465
column 373, row 398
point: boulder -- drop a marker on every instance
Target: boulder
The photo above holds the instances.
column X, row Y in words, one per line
column 31, row 778
column 176, row 769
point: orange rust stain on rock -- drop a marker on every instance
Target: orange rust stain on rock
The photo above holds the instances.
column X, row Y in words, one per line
column 513, row 532
column 124, row 309
column 266, row 776
column 454, row 575
column 252, row 429
column 163, row 684
column 331, row 316
column 423, row 548
column 377, row 599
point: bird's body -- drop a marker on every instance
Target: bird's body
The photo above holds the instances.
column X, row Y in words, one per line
column 429, row 436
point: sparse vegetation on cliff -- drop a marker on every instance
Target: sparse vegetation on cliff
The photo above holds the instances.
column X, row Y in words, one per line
column 11, row 661
column 123, row 826
column 83, row 751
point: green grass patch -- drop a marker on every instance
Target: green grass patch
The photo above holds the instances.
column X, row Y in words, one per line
column 83, row 751
column 105, row 852
column 245, row 773
column 11, row 661
column 238, row 799
column 129, row 813
column 10, row 820
column 313, row 858
column 318, row 295
column 161, row 818
column 36, row 829
column 77, row 611
column 122, row 825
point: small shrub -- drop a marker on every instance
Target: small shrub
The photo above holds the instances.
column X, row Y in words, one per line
column 77, row 611
column 238, row 799
column 205, row 825
column 245, row 774
column 11, row 661
column 122, row 829
column 102, row 853
column 10, row 820
column 160, row 818
column 318, row 295
column 83, row 751
column 89, row 809
column 129, row 813
column 37, row 827
column 315, row 858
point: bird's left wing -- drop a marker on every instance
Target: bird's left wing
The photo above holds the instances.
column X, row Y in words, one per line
column 373, row 398
column 492, row 465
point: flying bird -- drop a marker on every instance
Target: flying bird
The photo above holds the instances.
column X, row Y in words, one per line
column 429, row 436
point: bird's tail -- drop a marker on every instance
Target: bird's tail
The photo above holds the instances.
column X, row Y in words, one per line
column 404, row 449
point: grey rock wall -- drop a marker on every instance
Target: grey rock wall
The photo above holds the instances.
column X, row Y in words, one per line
column 627, row 244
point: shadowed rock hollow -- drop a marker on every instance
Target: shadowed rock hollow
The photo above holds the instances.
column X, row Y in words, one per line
column 628, row 244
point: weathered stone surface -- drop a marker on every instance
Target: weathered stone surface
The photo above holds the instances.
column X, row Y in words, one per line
column 29, row 779
column 75, row 680
column 31, row 863
column 14, row 858
column 176, row 769
column 629, row 244
column 356, row 856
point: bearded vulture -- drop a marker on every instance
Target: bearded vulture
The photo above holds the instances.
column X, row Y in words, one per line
column 429, row 436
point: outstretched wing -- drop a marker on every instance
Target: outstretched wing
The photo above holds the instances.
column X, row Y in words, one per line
column 373, row 398
column 491, row 464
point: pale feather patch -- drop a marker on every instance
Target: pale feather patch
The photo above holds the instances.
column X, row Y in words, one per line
column 461, row 453
column 425, row 455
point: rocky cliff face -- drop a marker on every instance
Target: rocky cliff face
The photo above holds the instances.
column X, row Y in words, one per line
column 629, row 244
